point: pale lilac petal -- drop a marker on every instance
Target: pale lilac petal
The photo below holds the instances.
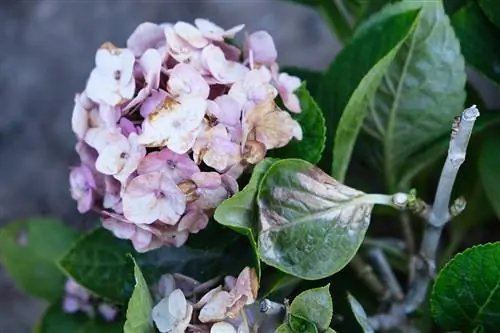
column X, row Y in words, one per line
column 194, row 220
column 82, row 186
column 152, row 102
column 152, row 197
column 70, row 304
column 231, row 52
column 216, row 308
column 147, row 35
column 262, row 47
column 212, row 31
column 178, row 166
column 79, row 118
column 222, row 327
column 127, row 127
column 108, row 312
column 226, row 109
column 220, row 68
column 190, row 34
column 109, row 115
column 119, row 229
column 132, row 157
column 185, row 80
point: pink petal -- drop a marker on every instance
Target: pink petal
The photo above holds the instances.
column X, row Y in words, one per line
column 147, row 35
column 207, row 179
column 152, row 102
column 186, row 80
column 190, row 34
column 194, row 220
column 262, row 47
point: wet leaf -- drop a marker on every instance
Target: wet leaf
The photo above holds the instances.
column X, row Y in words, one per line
column 311, row 225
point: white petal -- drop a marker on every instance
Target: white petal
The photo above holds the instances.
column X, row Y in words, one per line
column 222, row 327
column 190, row 34
column 177, row 304
column 162, row 318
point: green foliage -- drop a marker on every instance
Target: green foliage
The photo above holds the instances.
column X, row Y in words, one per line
column 311, row 225
column 479, row 40
column 353, row 78
column 54, row 320
column 407, row 114
column 360, row 314
column 99, row 262
column 315, row 305
column 312, row 122
column 492, row 10
column 489, row 169
column 29, row 251
column 466, row 294
column 140, row 306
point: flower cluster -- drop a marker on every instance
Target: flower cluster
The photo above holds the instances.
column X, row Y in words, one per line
column 224, row 309
column 166, row 126
column 77, row 299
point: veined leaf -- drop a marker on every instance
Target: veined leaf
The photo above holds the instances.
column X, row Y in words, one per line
column 352, row 79
column 360, row 314
column 140, row 306
column 314, row 305
column 492, row 10
column 422, row 90
column 310, row 225
column 466, row 293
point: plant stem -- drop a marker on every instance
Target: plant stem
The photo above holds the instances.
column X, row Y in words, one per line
column 436, row 219
column 365, row 273
column 385, row 271
column 408, row 233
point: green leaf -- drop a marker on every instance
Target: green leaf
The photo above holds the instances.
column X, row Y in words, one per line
column 314, row 305
column 359, row 314
column 300, row 324
column 283, row 328
column 99, row 262
column 353, row 78
column 312, row 122
column 423, row 159
column 240, row 211
column 55, row 320
column 422, row 90
column 466, row 293
column 140, row 306
column 277, row 285
column 478, row 40
column 311, row 225
column 492, row 10
column 29, row 250
column 102, row 327
column 489, row 170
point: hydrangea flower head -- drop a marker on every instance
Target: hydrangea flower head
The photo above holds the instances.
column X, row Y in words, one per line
column 168, row 123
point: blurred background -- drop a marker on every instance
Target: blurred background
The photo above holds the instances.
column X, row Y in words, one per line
column 46, row 53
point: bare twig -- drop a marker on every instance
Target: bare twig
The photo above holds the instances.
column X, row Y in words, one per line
column 408, row 233
column 436, row 218
column 365, row 272
column 386, row 273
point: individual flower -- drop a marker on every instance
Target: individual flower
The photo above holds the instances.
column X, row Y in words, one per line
column 194, row 220
column 215, row 148
column 182, row 51
column 177, row 166
column 227, row 111
column 83, row 187
column 212, row 188
column 261, row 46
column 185, row 80
column 153, row 196
column 119, row 156
column 112, row 82
column 215, row 33
column 254, row 88
column 173, row 313
column 287, row 85
column 223, row 71
column 146, row 36
column 174, row 124
column 269, row 125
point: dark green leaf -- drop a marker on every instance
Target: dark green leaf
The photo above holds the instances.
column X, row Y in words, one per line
column 312, row 122
column 422, row 90
column 353, row 78
column 102, row 327
column 360, row 314
column 311, row 225
column 452, row 6
column 423, row 159
column 29, row 250
column 55, row 320
column 479, row 40
column 489, row 169
column 284, row 329
column 99, row 263
column 140, row 306
column 314, row 305
column 240, row 212
column 300, row 324
column 466, row 293
column 276, row 285
column 492, row 10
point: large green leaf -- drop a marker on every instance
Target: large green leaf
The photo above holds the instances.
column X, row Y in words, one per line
column 29, row 250
column 466, row 294
column 55, row 320
column 314, row 305
column 492, row 10
column 240, row 212
column 99, row 262
column 312, row 122
column 479, row 40
column 311, row 225
column 489, row 169
column 353, row 78
column 428, row 155
column 360, row 314
column 140, row 306
column 422, row 90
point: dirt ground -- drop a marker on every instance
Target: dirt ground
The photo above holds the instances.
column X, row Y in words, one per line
column 47, row 50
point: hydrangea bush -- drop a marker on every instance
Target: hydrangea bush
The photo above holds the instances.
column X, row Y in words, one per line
column 235, row 195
